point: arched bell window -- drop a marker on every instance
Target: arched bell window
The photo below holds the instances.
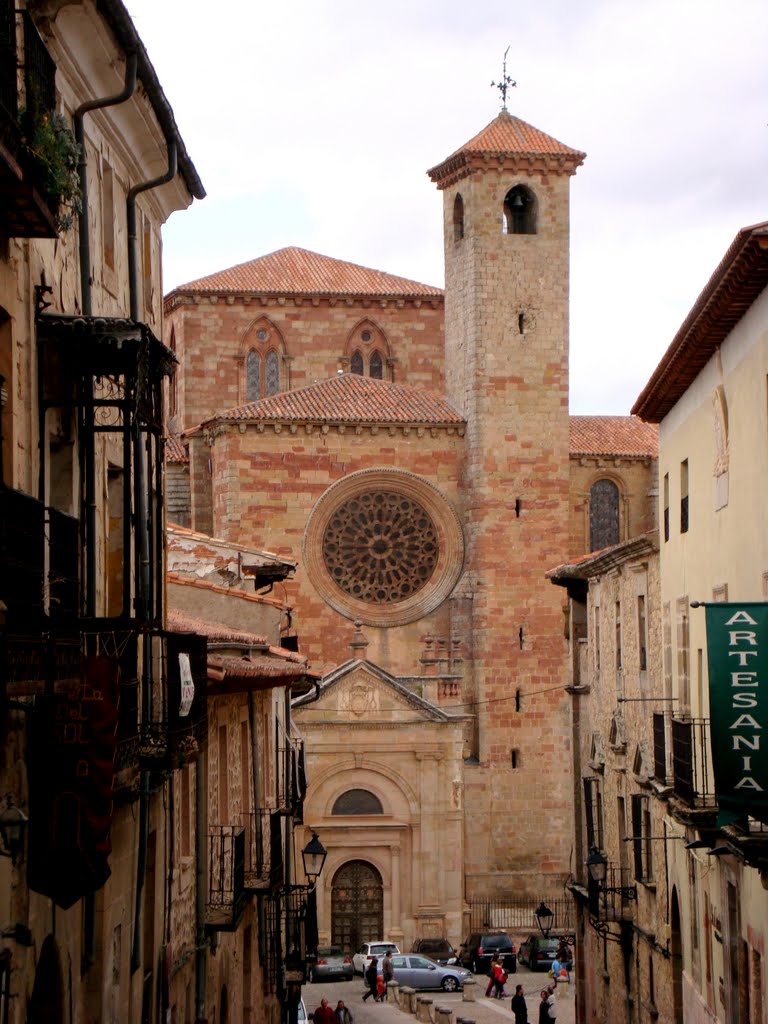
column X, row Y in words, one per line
column 263, row 371
column 519, row 212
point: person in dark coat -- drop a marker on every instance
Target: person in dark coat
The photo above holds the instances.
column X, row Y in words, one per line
column 371, row 979
column 519, row 1006
column 544, row 1007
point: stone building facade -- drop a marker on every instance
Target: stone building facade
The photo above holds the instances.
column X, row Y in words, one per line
column 708, row 396
column 411, row 450
column 91, row 733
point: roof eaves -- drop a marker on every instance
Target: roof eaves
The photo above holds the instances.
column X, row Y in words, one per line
column 743, row 271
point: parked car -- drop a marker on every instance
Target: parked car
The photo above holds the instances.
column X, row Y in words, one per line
column 437, row 949
column 539, row 953
column 479, row 949
column 330, row 962
column 368, row 950
column 422, row 972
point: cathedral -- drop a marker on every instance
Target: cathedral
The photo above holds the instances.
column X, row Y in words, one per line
column 410, row 449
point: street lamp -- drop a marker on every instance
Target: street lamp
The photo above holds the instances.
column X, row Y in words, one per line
column 313, row 855
column 545, row 918
column 597, row 865
column 12, row 823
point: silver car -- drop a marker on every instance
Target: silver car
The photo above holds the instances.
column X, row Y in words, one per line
column 420, row 972
column 331, row 962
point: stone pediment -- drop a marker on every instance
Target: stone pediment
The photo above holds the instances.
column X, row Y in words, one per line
column 361, row 692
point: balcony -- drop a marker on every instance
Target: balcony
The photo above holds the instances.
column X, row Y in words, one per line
column 25, row 210
column 263, row 851
column 681, row 756
column 227, row 896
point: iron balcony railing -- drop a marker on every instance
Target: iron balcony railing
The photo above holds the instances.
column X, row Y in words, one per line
column 691, row 770
column 227, row 894
column 509, row 912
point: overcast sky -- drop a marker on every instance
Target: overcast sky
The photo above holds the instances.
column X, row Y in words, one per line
column 312, row 123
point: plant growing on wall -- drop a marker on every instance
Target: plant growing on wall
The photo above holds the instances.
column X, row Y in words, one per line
column 54, row 155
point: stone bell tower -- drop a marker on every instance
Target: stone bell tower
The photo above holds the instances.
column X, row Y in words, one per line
column 506, row 224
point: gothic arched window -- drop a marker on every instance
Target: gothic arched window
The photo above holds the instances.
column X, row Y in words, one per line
column 356, row 363
column 603, row 515
column 253, row 376
column 519, row 212
column 376, row 366
column 357, row 801
column 273, row 373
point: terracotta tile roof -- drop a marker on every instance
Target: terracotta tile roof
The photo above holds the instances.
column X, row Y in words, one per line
column 505, row 137
column 295, row 271
column 179, row 535
column 596, row 563
column 176, row 450
column 740, row 277
column 350, row 398
column 613, row 435
column 217, row 588
column 216, row 632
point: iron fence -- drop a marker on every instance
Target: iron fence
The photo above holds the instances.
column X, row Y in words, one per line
column 508, row 913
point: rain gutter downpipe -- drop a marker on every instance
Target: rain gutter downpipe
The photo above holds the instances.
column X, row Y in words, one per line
column 128, row 90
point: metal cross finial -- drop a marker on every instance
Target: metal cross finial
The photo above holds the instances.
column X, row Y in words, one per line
column 505, row 83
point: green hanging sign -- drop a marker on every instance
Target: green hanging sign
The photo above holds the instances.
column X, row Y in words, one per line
column 737, row 650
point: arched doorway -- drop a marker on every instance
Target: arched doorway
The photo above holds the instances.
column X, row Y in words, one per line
column 357, row 905
column 676, row 950
column 46, row 1004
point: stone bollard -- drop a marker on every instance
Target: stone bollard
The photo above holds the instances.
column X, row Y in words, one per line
column 393, row 992
column 469, row 990
column 423, row 1009
column 443, row 1015
column 407, row 999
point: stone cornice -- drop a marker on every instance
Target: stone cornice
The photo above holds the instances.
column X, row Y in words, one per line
column 294, row 427
column 177, row 299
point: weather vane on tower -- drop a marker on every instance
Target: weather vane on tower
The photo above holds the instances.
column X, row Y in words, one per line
column 505, row 83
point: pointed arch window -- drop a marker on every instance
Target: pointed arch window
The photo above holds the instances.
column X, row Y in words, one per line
column 253, row 376
column 272, row 373
column 603, row 515
column 356, row 363
column 458, row 218
column 377, row 366
column 519, row 212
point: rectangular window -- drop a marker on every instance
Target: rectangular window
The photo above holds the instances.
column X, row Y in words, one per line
column 641, row 838
column 666, row 506
column 618, row 635
column 146, row 264
column 597, row 638
column 593, row 808
column 223, row 770
column 108, row 214
column 642, row 639
column 683, row 656
column 186, row 812
column 684, row 496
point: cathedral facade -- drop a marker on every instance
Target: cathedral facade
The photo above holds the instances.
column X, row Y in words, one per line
column 411, row 449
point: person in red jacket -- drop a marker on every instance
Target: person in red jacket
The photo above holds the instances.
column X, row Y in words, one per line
column 324, row 1013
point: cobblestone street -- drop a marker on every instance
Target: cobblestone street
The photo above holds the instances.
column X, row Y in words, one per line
column 482, row 1010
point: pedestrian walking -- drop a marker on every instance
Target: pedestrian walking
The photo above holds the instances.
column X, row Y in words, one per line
column 496, row 978
column 387, row 971
column 342, row 1014
column 372, row 979
column 323, row 1014
column 519, row 1005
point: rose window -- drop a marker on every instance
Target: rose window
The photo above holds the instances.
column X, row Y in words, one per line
column 380, row 547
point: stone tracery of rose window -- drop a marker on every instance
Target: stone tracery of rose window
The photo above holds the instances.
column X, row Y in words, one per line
column 380, row 547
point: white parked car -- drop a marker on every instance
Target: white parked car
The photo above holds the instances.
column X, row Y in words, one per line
column 368, row 950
